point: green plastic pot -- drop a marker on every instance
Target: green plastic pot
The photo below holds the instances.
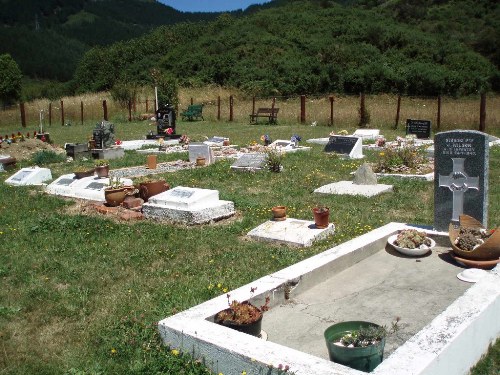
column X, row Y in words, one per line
column 363, row 359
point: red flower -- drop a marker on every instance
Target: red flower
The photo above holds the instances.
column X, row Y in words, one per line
column 118, row 142
column 43, row 138
column 170, row 131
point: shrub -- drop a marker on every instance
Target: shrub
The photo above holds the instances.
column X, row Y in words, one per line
column 45, row 157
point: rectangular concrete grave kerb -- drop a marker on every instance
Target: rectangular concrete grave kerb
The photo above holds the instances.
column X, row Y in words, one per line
column 227, row 351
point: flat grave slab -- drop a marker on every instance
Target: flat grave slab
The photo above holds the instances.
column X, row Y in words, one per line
column 188, row 206
column 91, row 188
column 294, row 232
column 349, row 188
column 366, row 133
column 284, row 145
column 361, row 279
column 29, row 176
column 425, row 177
column 318, row 141
column 215, row 141
column 250, row 162
column 139, row 143
column 166, row 150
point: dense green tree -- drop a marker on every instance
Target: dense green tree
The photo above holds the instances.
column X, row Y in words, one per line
column 10, row 80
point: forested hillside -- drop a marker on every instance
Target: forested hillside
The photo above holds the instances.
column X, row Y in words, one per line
column 47, row 38
column 298, row 46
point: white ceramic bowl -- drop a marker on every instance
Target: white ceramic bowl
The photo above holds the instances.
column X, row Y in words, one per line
column 410, row 252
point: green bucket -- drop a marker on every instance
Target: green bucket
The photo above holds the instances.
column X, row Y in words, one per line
column 363, row 359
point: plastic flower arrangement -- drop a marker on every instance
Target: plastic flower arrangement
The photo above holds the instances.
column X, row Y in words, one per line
column 295, row 138
column 343, row 132
column 266, row 139
column 169, row 131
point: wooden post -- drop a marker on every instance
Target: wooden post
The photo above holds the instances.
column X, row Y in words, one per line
column 62, row 113
column 134, row 105
column 23, row 114
column 331, row 110
column 147, row 105
column 302, row 109
column 362, row 110
column 218, row 107
column 105, row 110
column 438, row 121
column 253, row 105
column 398, row 111
column 50, row 114
column 81, row 111
column 191, row 101
column 130, row 110
column 482, row 113
column 231, row 108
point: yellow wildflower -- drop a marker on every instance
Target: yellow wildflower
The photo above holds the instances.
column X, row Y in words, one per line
column 174, row 352
column 113, row 351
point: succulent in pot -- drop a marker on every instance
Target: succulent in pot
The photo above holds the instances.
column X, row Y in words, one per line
column 102, row 168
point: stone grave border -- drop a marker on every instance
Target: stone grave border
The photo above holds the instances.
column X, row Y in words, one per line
column 441, row 347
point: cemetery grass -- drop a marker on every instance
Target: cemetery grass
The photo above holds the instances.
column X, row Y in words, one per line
column 82, row 294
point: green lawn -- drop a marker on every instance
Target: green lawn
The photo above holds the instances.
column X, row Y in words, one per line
column 81, row 294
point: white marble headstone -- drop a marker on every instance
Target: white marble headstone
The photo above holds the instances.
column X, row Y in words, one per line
column 200, row 149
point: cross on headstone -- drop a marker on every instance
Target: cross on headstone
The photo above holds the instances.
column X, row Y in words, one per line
column 458, row 182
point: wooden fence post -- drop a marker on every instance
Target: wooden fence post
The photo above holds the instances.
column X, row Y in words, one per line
column 105, row 110
column 438, row 120
column 231, row 108
column 129, row 110
column 191, row 101
column 302, row 109
column 147, row 105
column 363, row 118
column 253, row 105
column 331, row 110
column 218, row 108
column 50, row 114
column 81, row 111
column 23, row 114
column 398, row 111
column 134, row 105
column 62, row 113
column 482, row 113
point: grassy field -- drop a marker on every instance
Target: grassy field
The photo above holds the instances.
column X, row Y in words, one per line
column 81, row 294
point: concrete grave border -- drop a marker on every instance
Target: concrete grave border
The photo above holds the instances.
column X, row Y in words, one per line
column 442, row 347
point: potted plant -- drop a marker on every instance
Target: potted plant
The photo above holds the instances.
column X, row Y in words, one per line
column 82, row 171
column 200, row 161
column 411, row 242
column 357, row 344
column 279, row 213
column 473, row 245
column 274, row 160
column 295, row 139
column 243, row 316
column 321, row 216
column 102, row 168
column 148, row 187
column 116, row 192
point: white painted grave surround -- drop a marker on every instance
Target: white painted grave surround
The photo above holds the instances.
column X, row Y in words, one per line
column 188, row 205
column 91, row 188
column 30, row 176
column 349, row 188
column 294, row 232
column 137, row 144
column 367, row 133
column 215, row 141
column 285, row 145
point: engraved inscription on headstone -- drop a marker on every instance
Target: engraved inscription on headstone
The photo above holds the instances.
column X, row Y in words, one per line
column 65, row 181
column 95, row 186
column 250, row 161
column 421, row 128
column 460, row 177
column 340, row 144
column 180, row 193
column 21, row 175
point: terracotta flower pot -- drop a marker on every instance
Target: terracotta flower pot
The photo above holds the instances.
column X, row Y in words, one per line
column 115, row 197
column 200, row 161
column 489, row 250
column 279, row 213
column 321, row 217
column 82, row 174
column 102, row 171
column 148, row 189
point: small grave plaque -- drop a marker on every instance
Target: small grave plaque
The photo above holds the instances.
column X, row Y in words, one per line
column 421, row 128
column 95, row 186
column 65, row 181
column 21, row 175
column 460, row 177
column 29, row 176
column 250, row 162
column 351, row 146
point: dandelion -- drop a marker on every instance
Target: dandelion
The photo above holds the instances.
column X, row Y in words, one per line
column 224, row 290
column 174, row 352
column 219, row 285
column 113, row 351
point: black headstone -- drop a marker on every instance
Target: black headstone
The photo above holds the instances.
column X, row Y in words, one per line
column 461, row 164
column 341, row 144
column 421, row 128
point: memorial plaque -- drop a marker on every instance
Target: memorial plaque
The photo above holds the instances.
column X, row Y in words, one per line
column 181, row 193
column 21, row 175
column 461, row 161
column 95, row 186
column 65, row 181
column 420, row 128
column 351, row 146
column 254, row 161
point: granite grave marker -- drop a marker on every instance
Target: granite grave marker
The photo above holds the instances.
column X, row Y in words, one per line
column 461, row 168
column 420, row 128
column 351, row 146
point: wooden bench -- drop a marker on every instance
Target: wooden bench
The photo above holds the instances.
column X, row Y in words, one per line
column 270, row 113
column 194, row 111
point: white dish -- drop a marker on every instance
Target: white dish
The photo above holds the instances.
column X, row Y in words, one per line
column 410, row 252
column 472, row 275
